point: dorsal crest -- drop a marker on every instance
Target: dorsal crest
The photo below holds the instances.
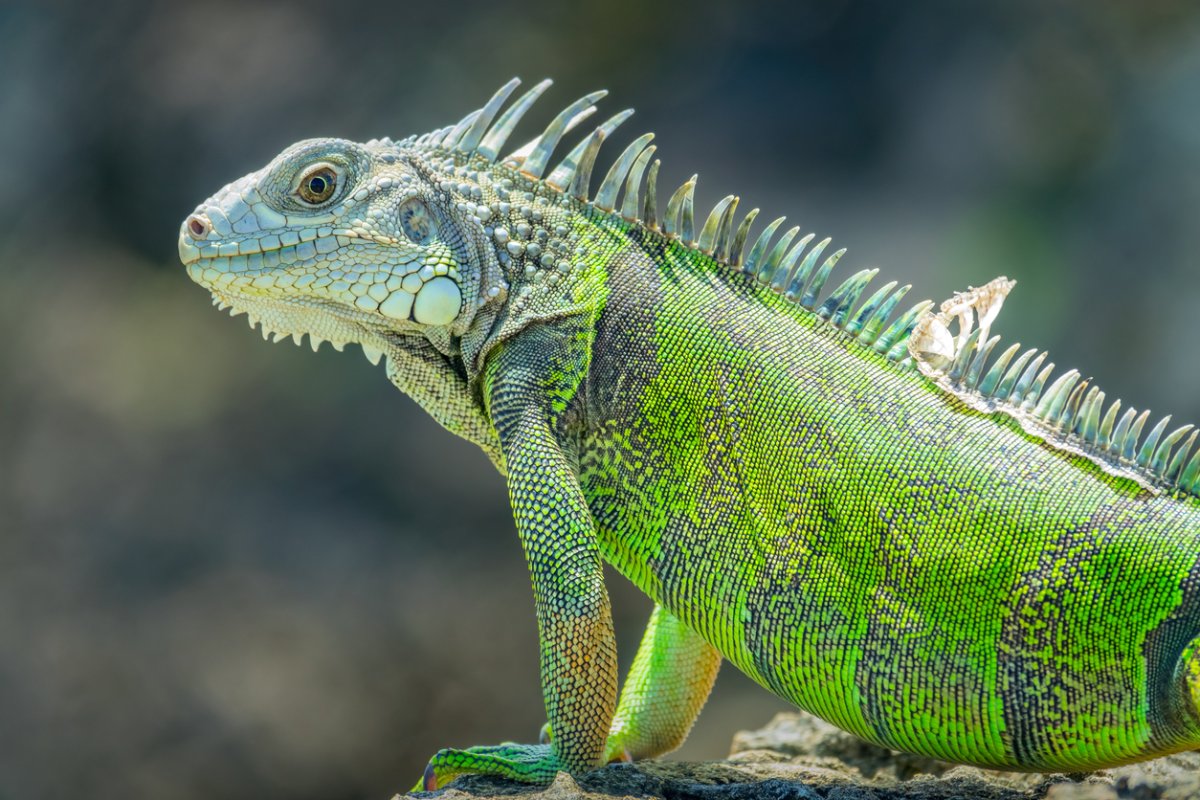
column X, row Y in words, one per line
column 1068, row 413
column 791, row 265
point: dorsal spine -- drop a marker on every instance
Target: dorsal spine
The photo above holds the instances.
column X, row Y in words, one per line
column 1067, row 411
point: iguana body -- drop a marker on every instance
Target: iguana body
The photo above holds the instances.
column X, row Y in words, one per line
column 941, row 551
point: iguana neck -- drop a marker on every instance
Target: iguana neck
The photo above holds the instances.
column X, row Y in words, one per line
column 552, row 251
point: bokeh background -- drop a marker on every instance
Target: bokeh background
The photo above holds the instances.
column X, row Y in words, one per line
column 230, row 569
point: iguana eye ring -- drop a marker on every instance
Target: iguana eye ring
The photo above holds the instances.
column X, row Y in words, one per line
column 317, row 185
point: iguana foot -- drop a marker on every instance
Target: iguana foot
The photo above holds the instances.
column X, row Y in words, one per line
column 528, row 763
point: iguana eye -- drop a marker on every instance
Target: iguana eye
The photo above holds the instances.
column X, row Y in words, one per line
column 317, row 185
column 417, row 221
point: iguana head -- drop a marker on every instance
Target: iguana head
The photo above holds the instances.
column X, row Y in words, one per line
column 434, row 240
column 406, row 245
column 345, row 242
column 429, row 249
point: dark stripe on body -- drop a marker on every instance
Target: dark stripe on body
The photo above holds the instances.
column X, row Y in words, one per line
column 1069, row 649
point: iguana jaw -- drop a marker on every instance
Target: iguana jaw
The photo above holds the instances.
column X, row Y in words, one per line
column 279, row 319
column 369, row 280
column 271, row 300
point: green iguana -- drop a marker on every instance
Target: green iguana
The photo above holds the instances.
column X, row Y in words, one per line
column 882, row 517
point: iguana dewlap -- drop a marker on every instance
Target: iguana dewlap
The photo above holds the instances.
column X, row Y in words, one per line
column 927, row 538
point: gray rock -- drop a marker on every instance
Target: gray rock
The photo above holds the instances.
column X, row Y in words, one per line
column 799, row 757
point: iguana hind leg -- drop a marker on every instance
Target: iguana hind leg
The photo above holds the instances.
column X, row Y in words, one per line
column 668, row 683
column 1188, row 688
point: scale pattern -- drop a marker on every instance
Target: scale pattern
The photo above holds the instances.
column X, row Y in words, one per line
column 928, row 576
column 851, row 502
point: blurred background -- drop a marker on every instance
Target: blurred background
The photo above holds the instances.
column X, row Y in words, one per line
column 238, row 570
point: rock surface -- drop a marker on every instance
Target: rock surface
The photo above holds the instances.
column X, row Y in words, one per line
column 799, row 757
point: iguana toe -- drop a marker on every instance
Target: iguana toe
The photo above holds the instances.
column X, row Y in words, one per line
column 527, row 763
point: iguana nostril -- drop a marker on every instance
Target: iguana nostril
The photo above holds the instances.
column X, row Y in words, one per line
column 197, row 226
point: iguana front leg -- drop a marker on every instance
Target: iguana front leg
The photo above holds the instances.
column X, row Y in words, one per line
column 529, row 381
column 668, row 683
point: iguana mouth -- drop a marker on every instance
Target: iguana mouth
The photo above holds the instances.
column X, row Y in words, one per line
column 275, row 265
column 280, row 316
column 266, row 252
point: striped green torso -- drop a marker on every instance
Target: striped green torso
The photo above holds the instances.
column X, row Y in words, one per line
column 927, row 576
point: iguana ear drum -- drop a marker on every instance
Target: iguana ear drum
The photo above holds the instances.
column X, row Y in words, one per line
column 417, row 222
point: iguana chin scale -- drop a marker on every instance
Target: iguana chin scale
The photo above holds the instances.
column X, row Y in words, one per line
column 940, row 551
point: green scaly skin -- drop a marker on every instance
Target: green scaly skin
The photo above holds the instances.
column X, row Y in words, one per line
column 941, row 553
